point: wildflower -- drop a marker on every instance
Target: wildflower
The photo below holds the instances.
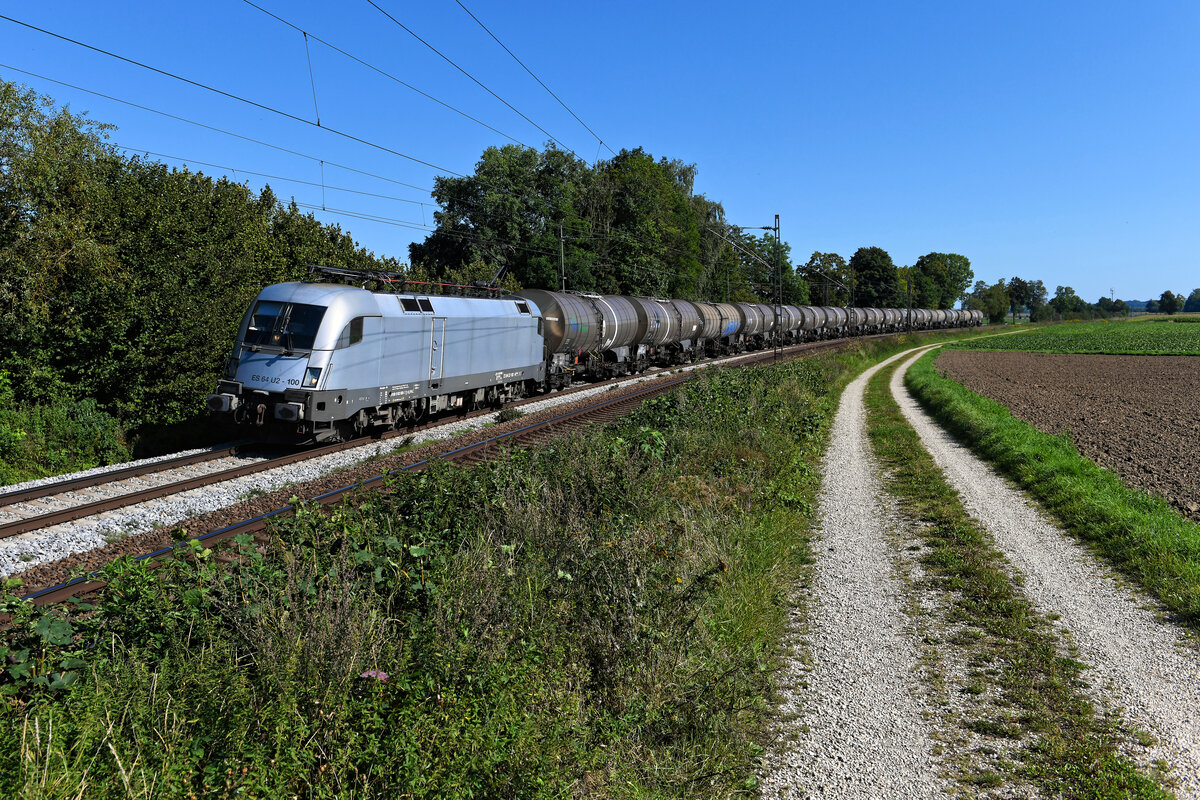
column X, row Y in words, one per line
column 378, row 675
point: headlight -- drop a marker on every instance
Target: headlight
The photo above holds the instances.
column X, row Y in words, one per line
column 311, row 377
column 231, row 367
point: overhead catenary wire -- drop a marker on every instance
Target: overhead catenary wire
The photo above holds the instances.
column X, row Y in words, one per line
column 186, row 161
column 230, row 95
column 478, row 82
column 216, row 129
column 535, row 77
column 308, row 35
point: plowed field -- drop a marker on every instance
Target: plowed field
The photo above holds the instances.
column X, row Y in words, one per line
column 1135, row 415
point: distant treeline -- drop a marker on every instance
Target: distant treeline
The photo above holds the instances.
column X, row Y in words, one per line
column 1018, row 295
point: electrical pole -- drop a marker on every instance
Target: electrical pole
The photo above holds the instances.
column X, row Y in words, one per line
column 778, row 291
column 562, row 268
column 908, row 286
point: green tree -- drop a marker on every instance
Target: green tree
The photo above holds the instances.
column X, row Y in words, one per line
column 939, row 279
column 1169, row 302
column 126, row 280
column 874, row 278
column 1066, row 301
column 1018, row 292
column 1036, row 297
column 828, row 277
column 993, row 300
column 510, row 213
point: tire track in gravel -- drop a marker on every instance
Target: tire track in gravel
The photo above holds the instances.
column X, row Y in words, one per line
column 865, row 731
column 1138, row 663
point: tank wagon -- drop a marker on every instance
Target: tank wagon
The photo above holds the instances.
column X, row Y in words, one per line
column 317, row 362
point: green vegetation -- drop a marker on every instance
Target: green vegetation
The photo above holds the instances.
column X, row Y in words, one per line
column 124, row 283
column 125, row 280
column 63, row 436
column 599, row 617
column 1158, row 337
column 1141, row 535
column 629, row 225
column 1068, row 750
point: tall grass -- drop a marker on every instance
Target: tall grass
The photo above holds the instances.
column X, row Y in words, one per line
column 1141, row 535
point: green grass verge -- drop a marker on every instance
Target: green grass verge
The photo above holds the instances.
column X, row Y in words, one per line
column 1067, row 750
column 1141, row 535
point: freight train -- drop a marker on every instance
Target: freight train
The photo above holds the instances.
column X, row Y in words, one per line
column 323, row 362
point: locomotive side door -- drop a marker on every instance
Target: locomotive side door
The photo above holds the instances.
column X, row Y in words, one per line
column 437, row 350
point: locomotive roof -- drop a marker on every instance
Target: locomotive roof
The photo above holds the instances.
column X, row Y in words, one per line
column 352, row 301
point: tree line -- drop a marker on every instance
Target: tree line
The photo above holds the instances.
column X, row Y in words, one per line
column 124, row 280
column 1170, row 303
column 634, row 225
column 123, row 284
column 1020, row 295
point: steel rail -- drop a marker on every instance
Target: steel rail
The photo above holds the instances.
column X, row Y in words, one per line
column 605, row 410
column 469, row 454
column 74, row 484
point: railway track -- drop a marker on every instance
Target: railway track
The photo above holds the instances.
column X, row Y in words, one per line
column 551, row 424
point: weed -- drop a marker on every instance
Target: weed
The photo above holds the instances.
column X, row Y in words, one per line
column 509, row 414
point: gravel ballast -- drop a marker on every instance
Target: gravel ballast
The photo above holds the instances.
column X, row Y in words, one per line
column 48, row 556
column 1138, row 663
column 860, row 705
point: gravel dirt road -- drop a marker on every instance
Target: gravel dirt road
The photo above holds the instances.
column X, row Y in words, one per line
column 1139, row 663
column 857, row 694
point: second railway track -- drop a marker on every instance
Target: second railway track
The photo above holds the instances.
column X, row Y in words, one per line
column 252, row 515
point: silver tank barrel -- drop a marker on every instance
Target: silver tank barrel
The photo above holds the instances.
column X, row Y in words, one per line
column 752, row 313
column 791, row 319
column 689, row 319
column 658, row 323
column 709, row 317
column 569, row 324
column 836, row 317
column 620, row 321
column 733, row 319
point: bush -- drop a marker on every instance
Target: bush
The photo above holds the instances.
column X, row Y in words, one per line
column 62, row 436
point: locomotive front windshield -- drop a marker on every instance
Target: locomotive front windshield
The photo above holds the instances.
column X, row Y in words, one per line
column 292, row 326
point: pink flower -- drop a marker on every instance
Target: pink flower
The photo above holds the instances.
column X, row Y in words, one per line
column 376, row 674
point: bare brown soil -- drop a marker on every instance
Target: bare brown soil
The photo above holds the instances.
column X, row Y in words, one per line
column 1134, row 415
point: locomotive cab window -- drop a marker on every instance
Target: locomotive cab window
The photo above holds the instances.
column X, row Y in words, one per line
column 290, row 326
column 351, row 334
column 522, row 308
column 409, row 304
column 425, row 304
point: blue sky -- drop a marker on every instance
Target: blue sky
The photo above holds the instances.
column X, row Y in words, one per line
column 1050, row 140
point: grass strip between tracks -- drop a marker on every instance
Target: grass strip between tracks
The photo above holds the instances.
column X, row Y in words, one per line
column 1141, row 535
column 1014, row 655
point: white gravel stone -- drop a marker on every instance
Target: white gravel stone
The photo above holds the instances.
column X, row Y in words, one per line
column 1138, row 662
column 866, row 734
